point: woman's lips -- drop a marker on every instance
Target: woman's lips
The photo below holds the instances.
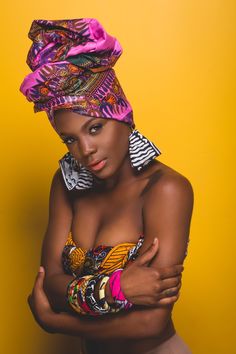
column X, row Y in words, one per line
column 98, row 166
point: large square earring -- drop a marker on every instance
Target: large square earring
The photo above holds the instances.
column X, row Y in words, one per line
column 141, row 150
column 75, row 175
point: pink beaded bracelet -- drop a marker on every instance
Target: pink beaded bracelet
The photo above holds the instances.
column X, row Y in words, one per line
column 116, row 291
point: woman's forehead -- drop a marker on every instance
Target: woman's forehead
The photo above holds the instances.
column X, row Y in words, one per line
column 69, row 116
column 67, row 122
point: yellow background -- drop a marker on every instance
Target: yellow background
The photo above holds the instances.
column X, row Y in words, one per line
column 178, row 71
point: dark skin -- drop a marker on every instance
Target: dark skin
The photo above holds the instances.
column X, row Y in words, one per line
column 157, row 203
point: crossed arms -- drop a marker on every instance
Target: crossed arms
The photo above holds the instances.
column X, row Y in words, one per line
column 167, row 215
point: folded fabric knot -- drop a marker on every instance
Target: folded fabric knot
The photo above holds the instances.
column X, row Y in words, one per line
column 72, row 64
column 82, row 42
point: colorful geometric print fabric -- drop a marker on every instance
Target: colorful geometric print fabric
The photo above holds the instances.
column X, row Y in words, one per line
column 99, row 260
column 72, row 64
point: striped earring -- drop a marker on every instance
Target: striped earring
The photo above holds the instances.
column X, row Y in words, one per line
column 141, row 150
column 75, row 175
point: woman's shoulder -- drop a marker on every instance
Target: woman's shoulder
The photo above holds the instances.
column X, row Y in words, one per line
column 58, row 186
column 168, row 202
column 58, row 181
column 164, row 180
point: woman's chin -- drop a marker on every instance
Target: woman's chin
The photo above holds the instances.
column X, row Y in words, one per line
column 104, row 175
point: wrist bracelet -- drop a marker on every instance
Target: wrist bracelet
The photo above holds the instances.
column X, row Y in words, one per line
column 98, row 308
column 80, row 294
column 116, row 291
column 102, row 294
column 75, row 294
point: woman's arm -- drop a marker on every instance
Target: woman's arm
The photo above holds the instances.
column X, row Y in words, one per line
column 126, row 325
column 167, row 214
column 58, row 229
column 56, row 281
column 138, row 324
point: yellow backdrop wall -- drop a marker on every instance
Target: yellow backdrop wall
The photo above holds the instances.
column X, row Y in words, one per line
column 178, row 71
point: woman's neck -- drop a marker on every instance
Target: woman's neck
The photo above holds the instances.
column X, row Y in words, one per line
column 124, row 175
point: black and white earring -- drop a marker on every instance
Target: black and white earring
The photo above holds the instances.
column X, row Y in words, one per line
column 141, row 150
column 75, row 175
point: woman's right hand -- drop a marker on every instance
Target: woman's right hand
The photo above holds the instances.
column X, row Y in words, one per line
column 149, row 286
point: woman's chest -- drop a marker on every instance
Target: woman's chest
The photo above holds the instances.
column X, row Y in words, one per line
column 108, row 220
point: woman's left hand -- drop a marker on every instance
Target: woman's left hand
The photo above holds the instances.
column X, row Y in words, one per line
column 39, row 304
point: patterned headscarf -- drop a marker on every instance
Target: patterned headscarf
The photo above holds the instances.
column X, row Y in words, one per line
column 72, row 64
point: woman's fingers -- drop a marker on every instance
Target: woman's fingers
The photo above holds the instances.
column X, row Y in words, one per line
column 169, row 300
column 40, row 277
column 148, row 255
column 38, row 299
column 169, row 272
column 170, row 291
column 29, row 300
column 170, row 283
column 38, row 302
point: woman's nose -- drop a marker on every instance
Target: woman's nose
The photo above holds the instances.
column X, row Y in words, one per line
column 86, row 147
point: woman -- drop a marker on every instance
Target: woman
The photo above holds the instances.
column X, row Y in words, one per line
column 105, row 276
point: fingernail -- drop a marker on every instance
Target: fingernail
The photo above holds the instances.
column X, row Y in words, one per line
column 40, row 269
column 155, row 240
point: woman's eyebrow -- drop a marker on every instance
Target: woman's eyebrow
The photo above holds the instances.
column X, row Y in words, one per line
column 83, row 126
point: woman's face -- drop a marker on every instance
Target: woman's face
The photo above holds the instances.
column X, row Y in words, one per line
column 91, row 140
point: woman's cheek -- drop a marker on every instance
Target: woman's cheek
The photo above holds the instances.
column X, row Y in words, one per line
column 73, row 150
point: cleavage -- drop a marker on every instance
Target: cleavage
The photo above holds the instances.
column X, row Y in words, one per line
column 99, row 223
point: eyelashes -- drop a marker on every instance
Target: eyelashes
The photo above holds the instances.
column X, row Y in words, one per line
column 70, row 140
column 67, row 141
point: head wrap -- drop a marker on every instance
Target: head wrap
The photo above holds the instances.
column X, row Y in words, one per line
column 72, row 64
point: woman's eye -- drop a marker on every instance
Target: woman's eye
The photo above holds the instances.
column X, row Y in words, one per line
column 95, row 128
column 68, row 141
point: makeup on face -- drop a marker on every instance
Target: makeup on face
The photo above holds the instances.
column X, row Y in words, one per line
column 96, row 143
column 98, row 166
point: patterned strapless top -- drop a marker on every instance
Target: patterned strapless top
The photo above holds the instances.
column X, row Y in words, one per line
column 98, row 260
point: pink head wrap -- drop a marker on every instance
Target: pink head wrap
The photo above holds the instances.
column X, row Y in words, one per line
column 72, row 64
